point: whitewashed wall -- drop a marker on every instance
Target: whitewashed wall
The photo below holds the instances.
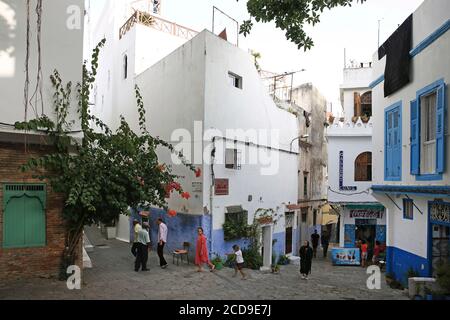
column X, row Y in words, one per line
column 173, row 91
column 61, row 49
column 227, row 107
column 352, row 146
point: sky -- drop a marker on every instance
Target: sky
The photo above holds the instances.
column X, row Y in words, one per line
column 352, row 28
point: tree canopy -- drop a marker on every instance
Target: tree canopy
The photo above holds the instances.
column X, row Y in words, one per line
column 291, row 16
column 106, row 172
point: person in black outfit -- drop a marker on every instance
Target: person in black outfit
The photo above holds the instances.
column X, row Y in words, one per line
column 315, row 242
column 325, row 242
column 306, row 255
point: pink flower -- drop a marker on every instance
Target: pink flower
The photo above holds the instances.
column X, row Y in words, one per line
column 185, row 195
column 172, row 213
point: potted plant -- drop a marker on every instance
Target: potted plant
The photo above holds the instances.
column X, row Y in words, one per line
column 276, row 268
column 111, row 230
column 389, row 279
column 283, row 260
column 264, row 216
column 217, row 262
column 443, row 281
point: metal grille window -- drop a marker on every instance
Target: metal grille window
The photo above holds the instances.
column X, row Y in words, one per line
column 233, row 159
column 289, row 219
column 236, row 223
column 24, row 215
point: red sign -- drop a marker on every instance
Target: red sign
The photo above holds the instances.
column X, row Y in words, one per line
column 221, row 187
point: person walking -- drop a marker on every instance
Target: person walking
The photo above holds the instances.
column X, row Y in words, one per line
column 325, row 243
column 162, row 240
column 376, row 253
column 306, row 255
column 143, row 245
column 201, row 252
column 315, row 242
column 239, row 265
column 136, row 228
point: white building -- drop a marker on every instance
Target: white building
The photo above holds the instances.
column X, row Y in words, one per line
column 31, row 221
column 350, row 163
column 205, row 95
column 411, row 150
column 311, row 106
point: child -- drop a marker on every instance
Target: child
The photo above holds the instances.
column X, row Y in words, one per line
column 364, row 251
column 239, row 265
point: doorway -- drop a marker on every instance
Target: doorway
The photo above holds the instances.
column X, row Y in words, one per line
column 289, row 222
column 266, row 249
column 366, row 229
column 440, row 246
column 303, row 226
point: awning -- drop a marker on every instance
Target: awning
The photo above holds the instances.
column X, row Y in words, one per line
column 362, row 206
column 425, row 191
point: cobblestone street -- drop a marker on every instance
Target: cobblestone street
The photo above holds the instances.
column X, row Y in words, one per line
column 112, row 277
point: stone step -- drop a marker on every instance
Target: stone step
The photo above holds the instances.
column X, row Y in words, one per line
column 294, row 260
column 87, row 244
column 87, row 263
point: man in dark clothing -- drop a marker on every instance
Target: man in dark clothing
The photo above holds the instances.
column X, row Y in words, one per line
column 306, row 254
column 325, row 242
column 315, row 242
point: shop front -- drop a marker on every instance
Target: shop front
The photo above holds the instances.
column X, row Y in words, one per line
column 362, row 222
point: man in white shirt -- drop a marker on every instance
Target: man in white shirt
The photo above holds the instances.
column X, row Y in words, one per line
column 143, row 243
column 162, row 239
column 136, row 228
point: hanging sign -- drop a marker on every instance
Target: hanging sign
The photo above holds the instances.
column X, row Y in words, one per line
column 221, row 187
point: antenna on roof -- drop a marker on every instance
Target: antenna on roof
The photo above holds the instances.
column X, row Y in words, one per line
column 230, row 18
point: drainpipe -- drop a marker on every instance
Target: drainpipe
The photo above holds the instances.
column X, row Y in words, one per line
column 211, row 193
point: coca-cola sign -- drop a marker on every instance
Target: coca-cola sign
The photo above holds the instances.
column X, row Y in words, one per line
column 366, row 214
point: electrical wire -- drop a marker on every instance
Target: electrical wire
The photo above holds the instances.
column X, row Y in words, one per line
column 349, row 194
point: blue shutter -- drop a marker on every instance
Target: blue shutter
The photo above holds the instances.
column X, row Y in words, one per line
column 440, row 130
column 415, row 138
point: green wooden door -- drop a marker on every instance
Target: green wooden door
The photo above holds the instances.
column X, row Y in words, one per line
column 24, row 216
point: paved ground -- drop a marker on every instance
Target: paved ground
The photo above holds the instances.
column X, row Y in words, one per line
column 112, row 277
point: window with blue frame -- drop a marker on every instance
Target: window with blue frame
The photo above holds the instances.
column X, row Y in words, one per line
column 408, row 209
column 393, row 143
column 428, row 132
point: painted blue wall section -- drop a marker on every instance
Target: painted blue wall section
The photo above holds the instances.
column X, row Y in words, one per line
column 381, row 233
column 221, row 247
column 181, row 228
column 430, row 39
column 399, row 262
column 280, row 244
column 376, row 82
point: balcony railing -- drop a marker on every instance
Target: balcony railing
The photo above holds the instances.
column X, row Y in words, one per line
column 156, row 23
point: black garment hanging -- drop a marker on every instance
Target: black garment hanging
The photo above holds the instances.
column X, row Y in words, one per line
column 398, row 60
